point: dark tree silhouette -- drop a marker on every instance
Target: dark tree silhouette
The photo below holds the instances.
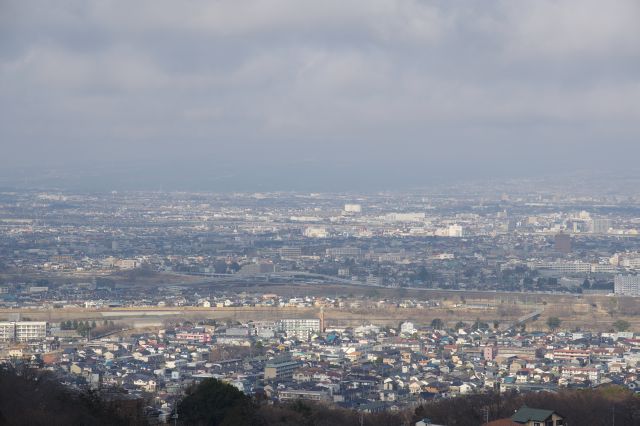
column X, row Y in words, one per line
column 36, row 398
column 214, row 403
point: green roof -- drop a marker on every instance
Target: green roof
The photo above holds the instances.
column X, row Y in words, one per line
column 525, row 414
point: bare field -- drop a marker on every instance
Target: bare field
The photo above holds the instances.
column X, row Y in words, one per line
column 590, row 312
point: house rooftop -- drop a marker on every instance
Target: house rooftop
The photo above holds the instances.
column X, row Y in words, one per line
column 526, row 414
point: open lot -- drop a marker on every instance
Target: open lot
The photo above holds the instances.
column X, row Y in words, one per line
column 363, row 306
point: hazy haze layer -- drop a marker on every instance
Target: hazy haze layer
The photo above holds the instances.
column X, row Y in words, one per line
column 292, row 94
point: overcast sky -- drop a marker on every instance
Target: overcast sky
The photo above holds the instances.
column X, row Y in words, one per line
column 288, row 93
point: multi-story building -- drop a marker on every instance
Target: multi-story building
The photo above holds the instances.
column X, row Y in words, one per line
column 316, row 232
column 627, row 285
column 290, row 252
column 631, row 261
column 566, row 267
column 302, row 394
column 343, row 252
column 7, row 331
column 576, row 267
column 301, row 328
column 569, row 354
column 23, row 331
column 592, row 374
column 405, row 217
column 562, row 243
column 281, row 367
column 353, row 208
column 193, row 337
column 375, row 280
column 489, row 352
column 455, row 230
column 600, row 226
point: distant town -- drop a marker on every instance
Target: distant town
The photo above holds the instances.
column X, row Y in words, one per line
column 371, row 302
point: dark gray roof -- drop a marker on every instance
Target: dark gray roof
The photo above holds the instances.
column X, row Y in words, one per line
column 525, row 414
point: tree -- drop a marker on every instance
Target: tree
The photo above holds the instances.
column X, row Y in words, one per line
column 480, row 325
column 214, row 403
column 234, row 267
column 437, row 323
column 460, row 325
column 423, row 274
column 220, row 267
column 621, row 325
column 29, row 396
column 93, row 324
column 553, row 323
column 580, row 407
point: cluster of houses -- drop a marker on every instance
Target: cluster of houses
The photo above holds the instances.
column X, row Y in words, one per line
column 366, row 368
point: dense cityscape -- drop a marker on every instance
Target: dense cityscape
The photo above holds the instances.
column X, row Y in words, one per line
column 369, row 302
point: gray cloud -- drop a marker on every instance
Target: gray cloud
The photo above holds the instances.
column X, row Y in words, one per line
column 359, row 85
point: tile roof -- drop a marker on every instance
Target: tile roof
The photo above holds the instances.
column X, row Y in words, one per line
column 525, row 414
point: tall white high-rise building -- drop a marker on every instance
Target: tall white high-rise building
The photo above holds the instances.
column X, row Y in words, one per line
column 627, row 285
column 600, row 226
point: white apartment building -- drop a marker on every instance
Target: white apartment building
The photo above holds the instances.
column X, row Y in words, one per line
column 405, row 217
column 627, row 285
column 316, row 232
column 23, row 331
column 574, row 267
column 407, row 328
column 301, row 328
column 455, row 230
column 568, row 267
column 343, row 251
column 353, row 208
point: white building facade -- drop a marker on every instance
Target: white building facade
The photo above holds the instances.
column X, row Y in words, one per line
column 627, row 285
column 23, row 331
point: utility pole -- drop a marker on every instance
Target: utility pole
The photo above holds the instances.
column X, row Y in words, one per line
column 175, row 416
column 613, row 409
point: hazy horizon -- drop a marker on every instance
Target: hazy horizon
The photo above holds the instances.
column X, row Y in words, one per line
column 264, row 95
